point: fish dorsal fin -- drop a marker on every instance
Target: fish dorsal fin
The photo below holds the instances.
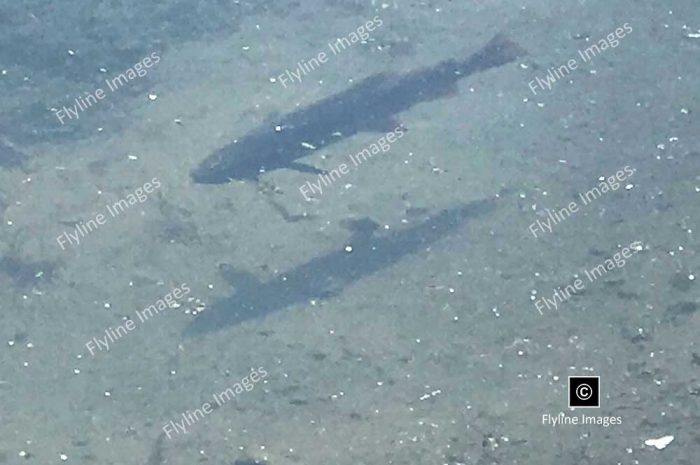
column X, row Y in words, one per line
column 237, row 278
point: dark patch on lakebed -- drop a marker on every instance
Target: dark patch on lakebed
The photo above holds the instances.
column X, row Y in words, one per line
column 681, row 282
column 122, row 34
column 25, row 273
column 249, row 462
column 681, row 309
column 10, row 157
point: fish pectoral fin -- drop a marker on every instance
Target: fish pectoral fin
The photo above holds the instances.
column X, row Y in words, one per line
column 449, row 91
column 325, row 295
column 301, row 167
column 360, row 227
column 237, row 278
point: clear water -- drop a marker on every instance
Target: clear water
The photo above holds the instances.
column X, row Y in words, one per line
column 425, row 304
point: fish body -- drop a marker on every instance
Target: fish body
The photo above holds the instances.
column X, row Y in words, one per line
column 368, row 106
column 327, row 275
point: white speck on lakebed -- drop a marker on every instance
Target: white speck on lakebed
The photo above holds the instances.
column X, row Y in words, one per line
column 660, row 443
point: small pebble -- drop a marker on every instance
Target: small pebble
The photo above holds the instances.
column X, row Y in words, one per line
column 660, row 443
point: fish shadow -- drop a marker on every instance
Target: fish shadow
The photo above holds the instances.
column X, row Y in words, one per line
column 329, row 274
